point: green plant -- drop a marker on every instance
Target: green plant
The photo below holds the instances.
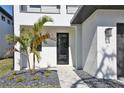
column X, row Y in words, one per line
column 29, row 40
column 20, row 79
column 11, row 77
column 14, row 73
column 36, row 77
column 47, row 73
column 38, row 38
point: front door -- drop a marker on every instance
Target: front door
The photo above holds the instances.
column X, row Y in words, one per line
column 62, row 48
column 120, row 50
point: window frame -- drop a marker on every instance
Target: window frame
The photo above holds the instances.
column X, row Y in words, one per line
column 8, row 21
column 21, row 11
column 3, row 18
column 72, row 6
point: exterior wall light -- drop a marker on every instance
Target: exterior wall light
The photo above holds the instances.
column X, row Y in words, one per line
column 108, row 34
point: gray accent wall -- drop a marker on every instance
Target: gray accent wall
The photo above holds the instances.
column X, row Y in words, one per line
column 89, row 45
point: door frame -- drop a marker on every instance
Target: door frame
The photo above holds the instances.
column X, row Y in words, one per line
column 117, row 28
column 57, row 48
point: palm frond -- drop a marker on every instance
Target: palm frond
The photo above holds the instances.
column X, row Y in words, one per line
column 37, row 28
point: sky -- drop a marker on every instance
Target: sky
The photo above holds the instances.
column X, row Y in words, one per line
column 8, row 8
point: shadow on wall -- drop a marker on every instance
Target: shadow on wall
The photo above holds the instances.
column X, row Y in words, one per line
column 23, row 62
column 108, row 73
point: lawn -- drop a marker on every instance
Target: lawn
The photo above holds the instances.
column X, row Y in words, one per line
column 5, row 66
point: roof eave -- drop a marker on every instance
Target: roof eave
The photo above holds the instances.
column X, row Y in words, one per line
column 85, row 11
column 6, row 13
column 75, row 15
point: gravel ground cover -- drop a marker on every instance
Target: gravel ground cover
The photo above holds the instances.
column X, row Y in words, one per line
column 24, row 79
column 93, row 82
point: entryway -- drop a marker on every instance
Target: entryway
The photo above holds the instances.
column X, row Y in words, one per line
column 62, row 48
column 120, row 50
column 68, row 78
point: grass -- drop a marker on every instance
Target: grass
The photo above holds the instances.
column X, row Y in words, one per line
column 5, row 66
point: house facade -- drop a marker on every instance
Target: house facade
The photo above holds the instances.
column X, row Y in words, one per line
column 100, row 30
column 57, row 51
column 6, row 27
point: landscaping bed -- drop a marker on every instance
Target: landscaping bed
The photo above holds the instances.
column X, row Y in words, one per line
column 24, row 79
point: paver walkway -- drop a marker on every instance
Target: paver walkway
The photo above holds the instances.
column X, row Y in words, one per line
column 69, row 79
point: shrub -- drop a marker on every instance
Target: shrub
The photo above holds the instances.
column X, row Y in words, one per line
column 14, row 73
column 11, row 77
column 47, row 73
column 20, row 79
column 36, row 77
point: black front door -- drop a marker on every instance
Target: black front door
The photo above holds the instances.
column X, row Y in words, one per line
column 120, row 50
column 62, row 48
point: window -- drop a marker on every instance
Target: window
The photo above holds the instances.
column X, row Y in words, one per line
column 50, row 8
column 8, row 21
column 35, row 6
column 39, row 47
column 3, row 18
column 23, row 8
column 53, row 9
column 71, row 9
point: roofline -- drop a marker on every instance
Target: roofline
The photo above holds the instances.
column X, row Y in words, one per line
column 5, row 13
column 85, row 11
column 75, row 15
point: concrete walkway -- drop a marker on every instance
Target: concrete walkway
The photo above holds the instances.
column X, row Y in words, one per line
column 69, row 79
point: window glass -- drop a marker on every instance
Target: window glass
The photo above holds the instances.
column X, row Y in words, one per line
column 3, row 18
column 40, row 8
column 35, row 6
column 50, row 8
column 39, row 47
column 71, row 9
column 8, row 21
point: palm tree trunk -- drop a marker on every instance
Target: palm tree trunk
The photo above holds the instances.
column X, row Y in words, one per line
column 33, row 61
column 29, row 63
column 28, row 60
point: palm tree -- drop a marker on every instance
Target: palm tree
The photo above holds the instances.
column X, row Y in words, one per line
column 24, row 41
column 38, row 38
column 30, row 39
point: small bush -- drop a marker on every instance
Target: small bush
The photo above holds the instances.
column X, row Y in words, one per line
column 20, row 79
column 14, row 73
column 47, row 73
column 36, row 77
column 11, row 77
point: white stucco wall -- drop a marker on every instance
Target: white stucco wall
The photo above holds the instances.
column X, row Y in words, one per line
column 78, row 46
column 89, row 43
column 106, row 54
column 62, row 19
column 105, row 61
column 5, row 29
column 49, row 50
column 48, row 55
